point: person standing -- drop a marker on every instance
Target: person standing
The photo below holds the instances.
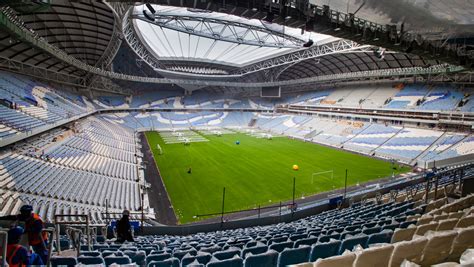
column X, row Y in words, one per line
column 34, row 226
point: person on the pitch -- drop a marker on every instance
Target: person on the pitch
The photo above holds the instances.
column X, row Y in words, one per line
column 18, row 255
column 37, row 239
column 190, row 170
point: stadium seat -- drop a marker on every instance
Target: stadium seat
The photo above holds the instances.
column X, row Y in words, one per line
column 375, row 256
column 63, row 261
column 350, row 242
column 117, row 260
column 438, row 247
column 226, row 254
column 345, row 260
column 267, row 259
column 291, row 256
column 157, row 257
column 403, row 234
column 324, row 250
column 235, row 261
column 170, row 262
column 90, row 260
column 410, row 250
column 279, row 247
column 383, row 237
column 254, row 250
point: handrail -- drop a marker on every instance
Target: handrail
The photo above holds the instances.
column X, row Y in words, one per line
column 58, row 222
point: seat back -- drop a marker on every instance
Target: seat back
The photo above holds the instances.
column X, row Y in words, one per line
column 422, row 229
column 382, row 237
column 267, row 259
column 346, row 260
column 349, row 243
column 376, row 256
column 254, row 250
column 157, row 257
column 447, row 224
column 89, row 260
column 324, row 250
column 403, row 234
column 463, row 241
column 117, row 260
column 306, row 241
column 63, row 261
column 438, row 247
column 410, row 250
column 279, row 247
column 236, row 261
column 291, row 256
column 465, row 222
column 226, row 254
column 171, row 262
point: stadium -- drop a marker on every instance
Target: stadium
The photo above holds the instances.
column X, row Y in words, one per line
column 237, row 133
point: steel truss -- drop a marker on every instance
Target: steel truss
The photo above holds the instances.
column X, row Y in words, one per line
column 219, row 29
column 338, row 46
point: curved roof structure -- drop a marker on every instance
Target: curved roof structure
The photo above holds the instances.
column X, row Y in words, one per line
column 83, row 30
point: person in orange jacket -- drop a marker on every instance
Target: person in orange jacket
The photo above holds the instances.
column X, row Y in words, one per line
column 34, row 225
column 18, row 255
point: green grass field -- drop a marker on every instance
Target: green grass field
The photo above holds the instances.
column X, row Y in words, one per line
column 256, row 172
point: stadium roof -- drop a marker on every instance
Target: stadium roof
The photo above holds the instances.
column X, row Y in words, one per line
column 197, row 41
column 195, row 35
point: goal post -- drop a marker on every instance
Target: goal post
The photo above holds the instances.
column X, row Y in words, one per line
column 326, row 174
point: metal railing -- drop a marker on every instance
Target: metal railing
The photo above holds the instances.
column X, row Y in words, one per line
column 58, row 222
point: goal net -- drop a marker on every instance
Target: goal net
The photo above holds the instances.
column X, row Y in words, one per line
column 322, row 176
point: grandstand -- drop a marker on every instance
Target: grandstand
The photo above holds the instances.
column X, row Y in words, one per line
column 208, row 121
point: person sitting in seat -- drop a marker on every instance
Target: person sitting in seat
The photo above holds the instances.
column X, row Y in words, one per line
column 124, row 230
column 18, row 255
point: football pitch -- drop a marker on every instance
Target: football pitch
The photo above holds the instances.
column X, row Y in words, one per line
column 254, row 172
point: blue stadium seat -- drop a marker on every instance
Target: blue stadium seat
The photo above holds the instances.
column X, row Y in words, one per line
column 171, row 262
column 350, row 242
column 236, row 261
column 118, row 260
column 63, row 261
column 90, row 260
column 382, row 237
column 293, row 256
column 306, row 241
column 157, row 257
column 324, row 250
column 279, row 247
column 267, row 259
column 226, row 254
column 254, row 250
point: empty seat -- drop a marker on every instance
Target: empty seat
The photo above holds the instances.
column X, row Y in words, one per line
column 267, row 259
column 236, row 261
column 465, row 222
column 294, row 255
column 63, row 261
column 90, row 260
column 422, row 229
column 375, row 256
column 157, row 257
column 117, row 260
column 438, row 247
column 463, row 241
column 346, row 260
column 382, row 237
column 171, row 262
column 447, row 224
column 351, row 242
column 403, row 234
column 226, row 254
column 410, row 250
column 254, row 250
column 324, row 250
column 279, row 247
